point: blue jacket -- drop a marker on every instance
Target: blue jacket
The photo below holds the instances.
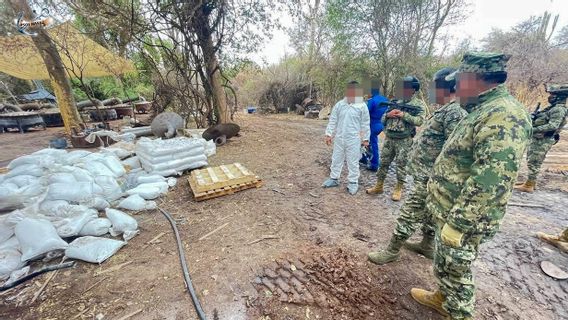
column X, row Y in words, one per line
column 376, row 110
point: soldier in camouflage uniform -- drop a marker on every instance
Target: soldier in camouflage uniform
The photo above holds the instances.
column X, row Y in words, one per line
column 400, row 128
column 427, row 146
column 473, row 179
column 547, row 125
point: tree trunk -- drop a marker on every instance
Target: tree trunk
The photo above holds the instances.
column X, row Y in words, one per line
column 219, row 98
column 56, row 70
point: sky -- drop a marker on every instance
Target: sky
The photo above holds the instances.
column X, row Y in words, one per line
column 484, row 16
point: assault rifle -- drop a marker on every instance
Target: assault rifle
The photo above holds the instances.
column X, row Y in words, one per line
column 404, row 107
column 535, row 113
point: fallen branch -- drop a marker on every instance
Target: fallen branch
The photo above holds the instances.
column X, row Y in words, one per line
column 154, row 239
column 212, row 232
column 111, row 269
column 94, row 285
column 526, row 205
column 80, row 313
column 278, row 191
column 38, row 293
column 131, row 314
column 313, row 195
column 262, row 239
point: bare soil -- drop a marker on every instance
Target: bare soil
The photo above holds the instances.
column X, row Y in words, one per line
column 292, row 250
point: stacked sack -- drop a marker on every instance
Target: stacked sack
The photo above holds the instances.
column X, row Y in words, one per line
column 56, row 200
column 168, row 157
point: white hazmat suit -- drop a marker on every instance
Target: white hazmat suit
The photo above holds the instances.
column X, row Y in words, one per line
column 348, row 125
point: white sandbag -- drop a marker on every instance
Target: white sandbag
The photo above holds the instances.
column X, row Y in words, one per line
column 181, row 164
column 150, row 178
column 182, row 154
column 56, row 153
column 97, row 203
column 37, row 237
column 159, row 147
column 10, row 260
column 11, row 199
column 96, row 168
column 210, row 148
column 127, row 235
column 6, row 229
column 26, row 169
column 120, row 222
column 118, row 152
column 76, row 156
column 52, row 207
column 136, row 203
column 24, row 160
column 22, row 180
column 149, row 191
column 127, row 137
column 76, row 217
column 80, row 174
column 78, row 192
column 61, row 177
column 132, row 162
column 96, row 227
column 110, row 187
column 171, row 182
column 93, row 249
column 114, row 164
column 11, row 243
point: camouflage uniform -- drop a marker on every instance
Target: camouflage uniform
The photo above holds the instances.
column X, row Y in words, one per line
column 398, row 141
column 427, row 147
column 472, row 181
column 546, row 124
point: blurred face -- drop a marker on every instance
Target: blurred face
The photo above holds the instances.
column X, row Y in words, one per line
column 403, row 91
column 552, row 98
column 353, row 91
column 443, row 95
column 468, row 87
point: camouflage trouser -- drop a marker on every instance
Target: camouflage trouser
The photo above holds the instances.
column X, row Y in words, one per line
column 536, row 153
column 452, row 268
column 413, row 212
column 394, row 148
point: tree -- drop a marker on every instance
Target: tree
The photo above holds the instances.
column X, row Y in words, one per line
column 398, row 36
column 538, row 56
column 61, row 84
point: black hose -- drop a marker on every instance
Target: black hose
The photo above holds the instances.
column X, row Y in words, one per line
column 37, row 273
column 184, row 268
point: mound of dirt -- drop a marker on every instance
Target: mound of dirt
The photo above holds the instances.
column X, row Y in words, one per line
column 332, row 284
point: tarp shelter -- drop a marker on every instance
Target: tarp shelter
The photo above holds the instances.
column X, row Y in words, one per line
column 19, row 56
column 40, row 94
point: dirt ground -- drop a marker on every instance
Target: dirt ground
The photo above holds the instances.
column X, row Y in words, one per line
column 291, row 250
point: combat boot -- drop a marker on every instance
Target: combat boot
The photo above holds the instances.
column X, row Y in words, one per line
column 430, row 299
column 397, row 193
column 377, row 189
column 390, row 254
column 528, row 186
column 424, row 247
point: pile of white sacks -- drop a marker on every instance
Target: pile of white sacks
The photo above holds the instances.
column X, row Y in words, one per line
column 53, row 195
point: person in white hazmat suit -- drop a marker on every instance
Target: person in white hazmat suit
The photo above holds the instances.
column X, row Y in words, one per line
column 348, row 129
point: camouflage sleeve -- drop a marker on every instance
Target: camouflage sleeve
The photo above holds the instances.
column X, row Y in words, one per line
column 499, row 144
column 557, row 115
column 452, row 119
column 384, row 118
column 418, row 119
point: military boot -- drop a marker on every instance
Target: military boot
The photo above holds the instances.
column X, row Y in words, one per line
column 397, row 193
column 528, row 186
column 390, row 254
column 424, row 247
column 377, row 189
column 430, row 299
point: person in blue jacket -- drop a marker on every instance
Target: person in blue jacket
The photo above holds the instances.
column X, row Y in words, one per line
column 376, row 111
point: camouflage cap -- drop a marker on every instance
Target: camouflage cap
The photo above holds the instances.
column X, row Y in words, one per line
column 484, row 62
column 560, row 89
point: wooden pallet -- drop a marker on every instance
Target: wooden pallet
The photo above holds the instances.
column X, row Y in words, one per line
column 223, row 180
